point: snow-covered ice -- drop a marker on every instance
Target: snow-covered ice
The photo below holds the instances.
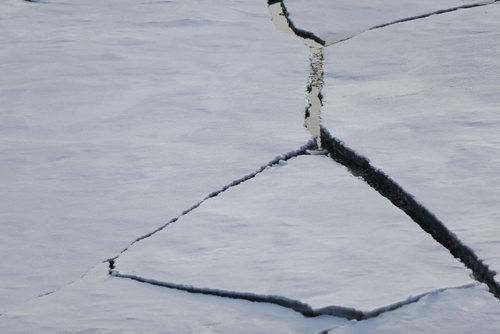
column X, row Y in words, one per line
column 115, row 116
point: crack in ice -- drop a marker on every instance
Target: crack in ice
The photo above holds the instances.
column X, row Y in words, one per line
column 437, row 12
column 411, row 18
column 281, row 20
column 360, row 166
column 306, row 310
column 304, row 150
column 284, row 157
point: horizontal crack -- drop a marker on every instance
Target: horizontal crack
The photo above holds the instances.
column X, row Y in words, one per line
column 295, row 305
column 285, row 157
column 360, row 166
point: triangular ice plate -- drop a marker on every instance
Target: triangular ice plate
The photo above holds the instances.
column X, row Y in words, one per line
column 307, row 231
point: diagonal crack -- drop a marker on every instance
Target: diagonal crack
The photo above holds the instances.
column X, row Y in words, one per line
column 414, row 18
column 292, row 304
column 410, row 300
column 284, row 157
column 360, row 166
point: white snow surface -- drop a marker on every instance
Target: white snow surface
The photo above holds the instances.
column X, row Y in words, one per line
column 116, row 116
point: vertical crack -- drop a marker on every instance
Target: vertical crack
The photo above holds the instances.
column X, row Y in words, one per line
column 314, row 96
column 281, row 20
